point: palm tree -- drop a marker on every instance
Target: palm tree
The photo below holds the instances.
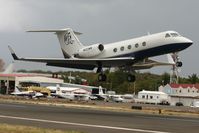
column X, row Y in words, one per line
column 193, row 78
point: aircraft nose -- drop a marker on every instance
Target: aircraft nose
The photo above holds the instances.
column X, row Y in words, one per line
column 188, row 41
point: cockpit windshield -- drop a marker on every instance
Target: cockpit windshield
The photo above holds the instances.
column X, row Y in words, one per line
column 167, row 35
column 172, row 34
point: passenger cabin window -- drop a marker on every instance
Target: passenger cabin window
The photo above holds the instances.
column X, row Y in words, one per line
column 144, row 44
column 129, row 46
column 115, row 50
column 136, row 45
column 167, row 35
column 122, row 48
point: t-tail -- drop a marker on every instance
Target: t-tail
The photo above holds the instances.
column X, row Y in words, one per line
column 101, row 91
column 68, row 40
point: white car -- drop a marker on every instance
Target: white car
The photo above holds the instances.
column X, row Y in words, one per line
column 117, row 98
column 195, row 104
column 92, row 97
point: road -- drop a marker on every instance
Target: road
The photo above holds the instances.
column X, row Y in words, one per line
column 94, row 121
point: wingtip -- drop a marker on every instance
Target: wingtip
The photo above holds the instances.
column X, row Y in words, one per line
column 13, row 53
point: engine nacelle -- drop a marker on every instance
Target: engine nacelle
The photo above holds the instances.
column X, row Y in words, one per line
column 90, row 51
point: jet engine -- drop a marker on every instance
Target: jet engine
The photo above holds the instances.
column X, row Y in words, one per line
column 90, row 51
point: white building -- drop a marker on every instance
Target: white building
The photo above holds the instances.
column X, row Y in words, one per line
column 181, row 93
column 8, row 82
column 154, row 97
column 188, row 90
column 37, row 79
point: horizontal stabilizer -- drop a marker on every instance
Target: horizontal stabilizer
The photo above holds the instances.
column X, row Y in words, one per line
column 55, row 30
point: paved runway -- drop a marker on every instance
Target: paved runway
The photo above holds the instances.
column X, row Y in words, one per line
column 93, row 121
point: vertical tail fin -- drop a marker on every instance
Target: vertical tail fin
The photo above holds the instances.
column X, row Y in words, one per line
column 68, row 40
column 100, row 91
column 58, row 89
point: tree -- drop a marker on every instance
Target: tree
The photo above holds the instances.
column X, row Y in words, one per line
column 2, row 63
column 166, row 78
column 193, row 78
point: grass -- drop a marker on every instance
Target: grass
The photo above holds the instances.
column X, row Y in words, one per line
column 6, row 128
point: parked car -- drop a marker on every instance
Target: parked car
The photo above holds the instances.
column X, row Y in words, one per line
column 179, row 104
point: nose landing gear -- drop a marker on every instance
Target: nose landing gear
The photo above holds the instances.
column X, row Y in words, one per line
column 179, row 64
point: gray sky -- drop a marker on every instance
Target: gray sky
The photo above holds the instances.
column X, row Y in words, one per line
column 100, row 20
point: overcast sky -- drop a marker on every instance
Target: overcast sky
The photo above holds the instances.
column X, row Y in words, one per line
column 99, row 20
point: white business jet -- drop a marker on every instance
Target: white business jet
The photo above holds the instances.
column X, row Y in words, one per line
column 70, row 93
column 129, row 54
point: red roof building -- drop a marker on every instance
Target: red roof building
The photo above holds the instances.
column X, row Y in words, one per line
column 187, row 90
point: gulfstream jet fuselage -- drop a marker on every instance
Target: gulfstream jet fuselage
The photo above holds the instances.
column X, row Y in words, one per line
column 124, row 54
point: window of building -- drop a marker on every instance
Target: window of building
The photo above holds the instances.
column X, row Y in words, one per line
column 167, row 35
column 143, row 96
column 136, row 45
column 180, row 91
column 122, row 48
column 188, row 90
column 115, row 50
column 129, row 46
column 151, row 97
column 157, row 97
column 144, row 44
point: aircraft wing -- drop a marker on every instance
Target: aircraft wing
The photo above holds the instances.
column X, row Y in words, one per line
column 149, row 63
column 88, row 64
